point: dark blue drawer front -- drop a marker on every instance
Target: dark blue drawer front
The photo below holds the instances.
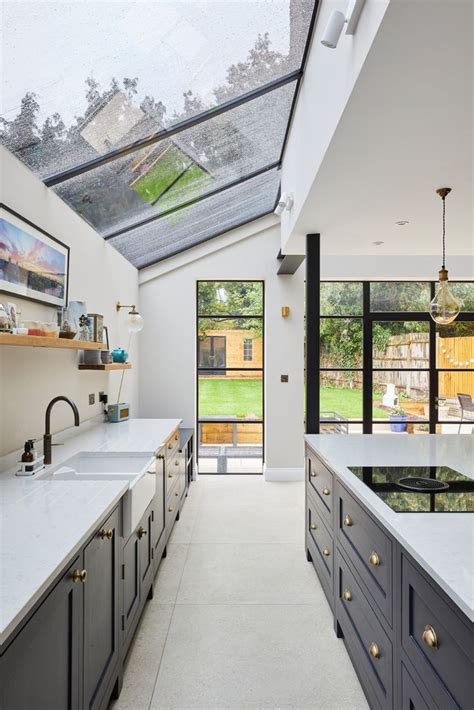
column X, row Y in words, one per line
column 426, row 617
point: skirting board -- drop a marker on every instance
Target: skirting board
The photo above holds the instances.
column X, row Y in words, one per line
column 284, row 474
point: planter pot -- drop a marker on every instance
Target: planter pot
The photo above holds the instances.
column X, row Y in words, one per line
column 398, row 422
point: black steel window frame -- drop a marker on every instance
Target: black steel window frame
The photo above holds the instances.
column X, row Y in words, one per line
column 369, row 317
column 261, row 369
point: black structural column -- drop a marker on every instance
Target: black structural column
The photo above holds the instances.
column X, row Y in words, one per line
column 313, row 306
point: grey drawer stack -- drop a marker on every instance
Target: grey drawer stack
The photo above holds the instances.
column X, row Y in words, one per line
column 411, row 646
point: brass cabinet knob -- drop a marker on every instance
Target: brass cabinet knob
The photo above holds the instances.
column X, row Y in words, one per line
column 170, row 475
column 176, row 493
column 176, row 438
column 313, row 474
column 429, row 637
column 79, row 575
column 176, row 463
column 374, row 650
column 160, row 456
column 347, row 596
column 326, row 491
column 313, row 526
column 326, row 552
column 106, row 534
column 348, row 521
column 141, row 533
column 374, row 559
column 170, row 509
column 170, row 445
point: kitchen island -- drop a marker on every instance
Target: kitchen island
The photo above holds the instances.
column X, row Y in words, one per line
column 400, row 584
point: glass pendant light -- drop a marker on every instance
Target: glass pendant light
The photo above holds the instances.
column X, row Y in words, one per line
column 444, row 308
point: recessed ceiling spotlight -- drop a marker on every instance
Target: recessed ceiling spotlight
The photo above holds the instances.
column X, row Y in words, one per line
column 377, row 243
column 402, row 222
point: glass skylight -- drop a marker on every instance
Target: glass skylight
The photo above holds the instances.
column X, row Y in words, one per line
column 99, row 112
column 199, row 222
column 192, row 163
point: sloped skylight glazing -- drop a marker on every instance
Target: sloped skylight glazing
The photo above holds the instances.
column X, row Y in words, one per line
column 132, row 108
column 199, row 222
column 199, row 160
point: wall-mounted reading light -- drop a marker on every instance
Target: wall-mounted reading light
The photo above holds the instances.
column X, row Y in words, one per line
column 285, row 311
column 336, row 23
column 284, row 203
column 135, row 321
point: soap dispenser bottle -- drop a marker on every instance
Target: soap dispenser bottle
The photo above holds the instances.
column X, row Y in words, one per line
column 27, row 455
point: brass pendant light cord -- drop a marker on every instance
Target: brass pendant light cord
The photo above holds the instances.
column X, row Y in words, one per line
column 444, row 231
column 443, row 192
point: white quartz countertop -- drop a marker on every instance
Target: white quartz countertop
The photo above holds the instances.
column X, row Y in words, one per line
column 43, row 523
column 442, row 543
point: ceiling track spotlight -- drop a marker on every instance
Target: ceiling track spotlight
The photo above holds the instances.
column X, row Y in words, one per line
column 284, row 203
column 338, row 19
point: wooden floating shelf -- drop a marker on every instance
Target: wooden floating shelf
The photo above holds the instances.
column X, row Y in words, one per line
column 111, row 366
column 39, row 341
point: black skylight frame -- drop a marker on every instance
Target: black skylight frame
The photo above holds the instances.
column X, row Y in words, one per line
column 166, row 133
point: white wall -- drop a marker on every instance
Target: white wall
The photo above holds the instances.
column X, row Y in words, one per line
column 167, row 380
column 100, row 276
column 329, row 79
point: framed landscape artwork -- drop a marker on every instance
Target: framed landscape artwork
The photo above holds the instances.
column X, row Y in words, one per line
column 33, row 264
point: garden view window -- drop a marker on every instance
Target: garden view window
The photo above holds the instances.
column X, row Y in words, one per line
column 385, row 366
column 230, row 331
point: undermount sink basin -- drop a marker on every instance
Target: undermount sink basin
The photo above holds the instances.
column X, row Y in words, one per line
column 138, row 468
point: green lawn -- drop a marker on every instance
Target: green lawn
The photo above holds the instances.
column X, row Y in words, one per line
column 239, row 398
column 230, row 398
column 162, row 174
column 347, row 402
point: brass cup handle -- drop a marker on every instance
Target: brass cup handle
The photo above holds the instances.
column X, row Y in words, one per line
column 374, row 559
column 326, row 491
column 347, row 596
column 326, row 552
column 79, row 575
column 348, row 521
column 170, row 475
column 160, row 456
column 374, row 650
column 429, row 637
column 141, row 533
column 106, row 534
column 313, row 526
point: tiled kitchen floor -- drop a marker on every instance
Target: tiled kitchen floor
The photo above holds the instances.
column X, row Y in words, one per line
column 238, row 619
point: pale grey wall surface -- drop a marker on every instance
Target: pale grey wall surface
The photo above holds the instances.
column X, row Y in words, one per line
column 167, row 378
column 100, row 276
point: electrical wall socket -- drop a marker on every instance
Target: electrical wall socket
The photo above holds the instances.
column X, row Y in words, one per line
column 103, row 397
column 92, row 399
column 283, row 378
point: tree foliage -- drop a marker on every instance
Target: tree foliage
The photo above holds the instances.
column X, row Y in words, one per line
column 230, row 298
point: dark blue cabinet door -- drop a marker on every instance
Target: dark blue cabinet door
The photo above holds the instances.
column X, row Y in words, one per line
column 41, row 668
column 101, row 611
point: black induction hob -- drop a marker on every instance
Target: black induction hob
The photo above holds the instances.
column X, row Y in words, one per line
column 419, row 489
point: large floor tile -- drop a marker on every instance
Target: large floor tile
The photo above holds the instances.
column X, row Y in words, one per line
column 265, row 524
column 249, row 574
column 144, row 659
column 183, row 529
column 259, row 656
column 169, row 574
column 249, row 491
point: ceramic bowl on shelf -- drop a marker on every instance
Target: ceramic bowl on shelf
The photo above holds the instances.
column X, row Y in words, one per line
column 119, row 355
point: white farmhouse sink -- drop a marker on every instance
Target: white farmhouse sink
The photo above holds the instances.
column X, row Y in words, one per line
column 136, row 468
